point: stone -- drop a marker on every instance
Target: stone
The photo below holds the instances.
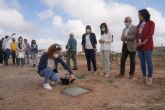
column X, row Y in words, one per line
column 75, row 91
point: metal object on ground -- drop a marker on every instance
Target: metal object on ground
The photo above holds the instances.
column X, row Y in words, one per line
column 75, row 91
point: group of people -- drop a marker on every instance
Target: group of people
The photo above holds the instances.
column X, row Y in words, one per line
column 20, row 51
column 135, row 39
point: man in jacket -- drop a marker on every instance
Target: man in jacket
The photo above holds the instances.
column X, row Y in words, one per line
column 128, row 38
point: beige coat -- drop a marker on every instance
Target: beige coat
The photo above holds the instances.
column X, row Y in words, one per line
column 18, row 50
column 130, row 38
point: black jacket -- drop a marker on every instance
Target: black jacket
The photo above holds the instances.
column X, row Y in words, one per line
column 44, row 62
column 92, row 39
column 1, row 43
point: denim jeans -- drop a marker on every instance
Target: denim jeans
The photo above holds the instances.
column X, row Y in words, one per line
column 145, row 58
column 26, row 60
column 7, row 56
column 49, row 74
column 34, row 58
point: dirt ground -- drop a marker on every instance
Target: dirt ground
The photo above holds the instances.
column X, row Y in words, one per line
column 21, row 89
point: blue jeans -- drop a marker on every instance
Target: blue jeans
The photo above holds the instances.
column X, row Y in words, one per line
column 145, row 57
column 49, row 74
column 7, row 56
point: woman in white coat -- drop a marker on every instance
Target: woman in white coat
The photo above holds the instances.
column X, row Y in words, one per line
column 20, row 52
column 105, row 48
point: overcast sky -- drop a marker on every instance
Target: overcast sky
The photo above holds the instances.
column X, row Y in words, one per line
column 50, row 21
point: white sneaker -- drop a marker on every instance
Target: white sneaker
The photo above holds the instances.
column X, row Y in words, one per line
column 149, row 82
column 47, row 86
column 106, row 75
column 52, row 83
column 95, row 73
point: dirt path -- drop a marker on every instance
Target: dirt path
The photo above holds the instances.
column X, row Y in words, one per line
column 21, row 89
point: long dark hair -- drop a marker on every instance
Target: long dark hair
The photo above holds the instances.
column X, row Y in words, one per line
column 106, row 28
column 145, row 13
column 33, row 42
column 20, row 44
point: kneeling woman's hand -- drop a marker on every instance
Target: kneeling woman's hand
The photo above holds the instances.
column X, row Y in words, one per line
column 72, row 78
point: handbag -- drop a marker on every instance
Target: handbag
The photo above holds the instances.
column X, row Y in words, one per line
column 20, row 55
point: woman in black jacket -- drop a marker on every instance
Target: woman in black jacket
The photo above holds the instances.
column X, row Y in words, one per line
column 89, row 43
column 48, row 63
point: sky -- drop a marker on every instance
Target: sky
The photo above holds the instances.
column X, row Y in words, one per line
column 50, row 21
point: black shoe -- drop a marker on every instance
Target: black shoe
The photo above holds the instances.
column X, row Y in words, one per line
column 34, row 65
column 74, row 69
column 119, row 76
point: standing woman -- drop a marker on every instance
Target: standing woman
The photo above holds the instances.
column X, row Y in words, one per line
column 144, row 44
column 89, row 43
column 105, row 42
column 20, row 52
column 13, row 50
column 34, row 53
column 1, row 52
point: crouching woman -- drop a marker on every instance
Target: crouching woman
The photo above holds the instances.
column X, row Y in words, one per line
column 48, row 63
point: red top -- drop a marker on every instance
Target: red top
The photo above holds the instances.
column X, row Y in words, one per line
column 147, row 33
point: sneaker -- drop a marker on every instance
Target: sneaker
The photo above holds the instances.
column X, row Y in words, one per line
column 47, row 86
column 106, row 75
column 102, row 74
column 95, row 73
column 52, row 83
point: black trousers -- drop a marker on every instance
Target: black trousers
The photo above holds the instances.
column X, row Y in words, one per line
column 91, row 58
column 1, row 56
column 13, row 54
column 125, row 53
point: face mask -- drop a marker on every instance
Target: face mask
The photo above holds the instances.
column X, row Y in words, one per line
column 88, row 30
column 21, row 40
column 127, row 24
column 103, row 29
column 56, row 55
